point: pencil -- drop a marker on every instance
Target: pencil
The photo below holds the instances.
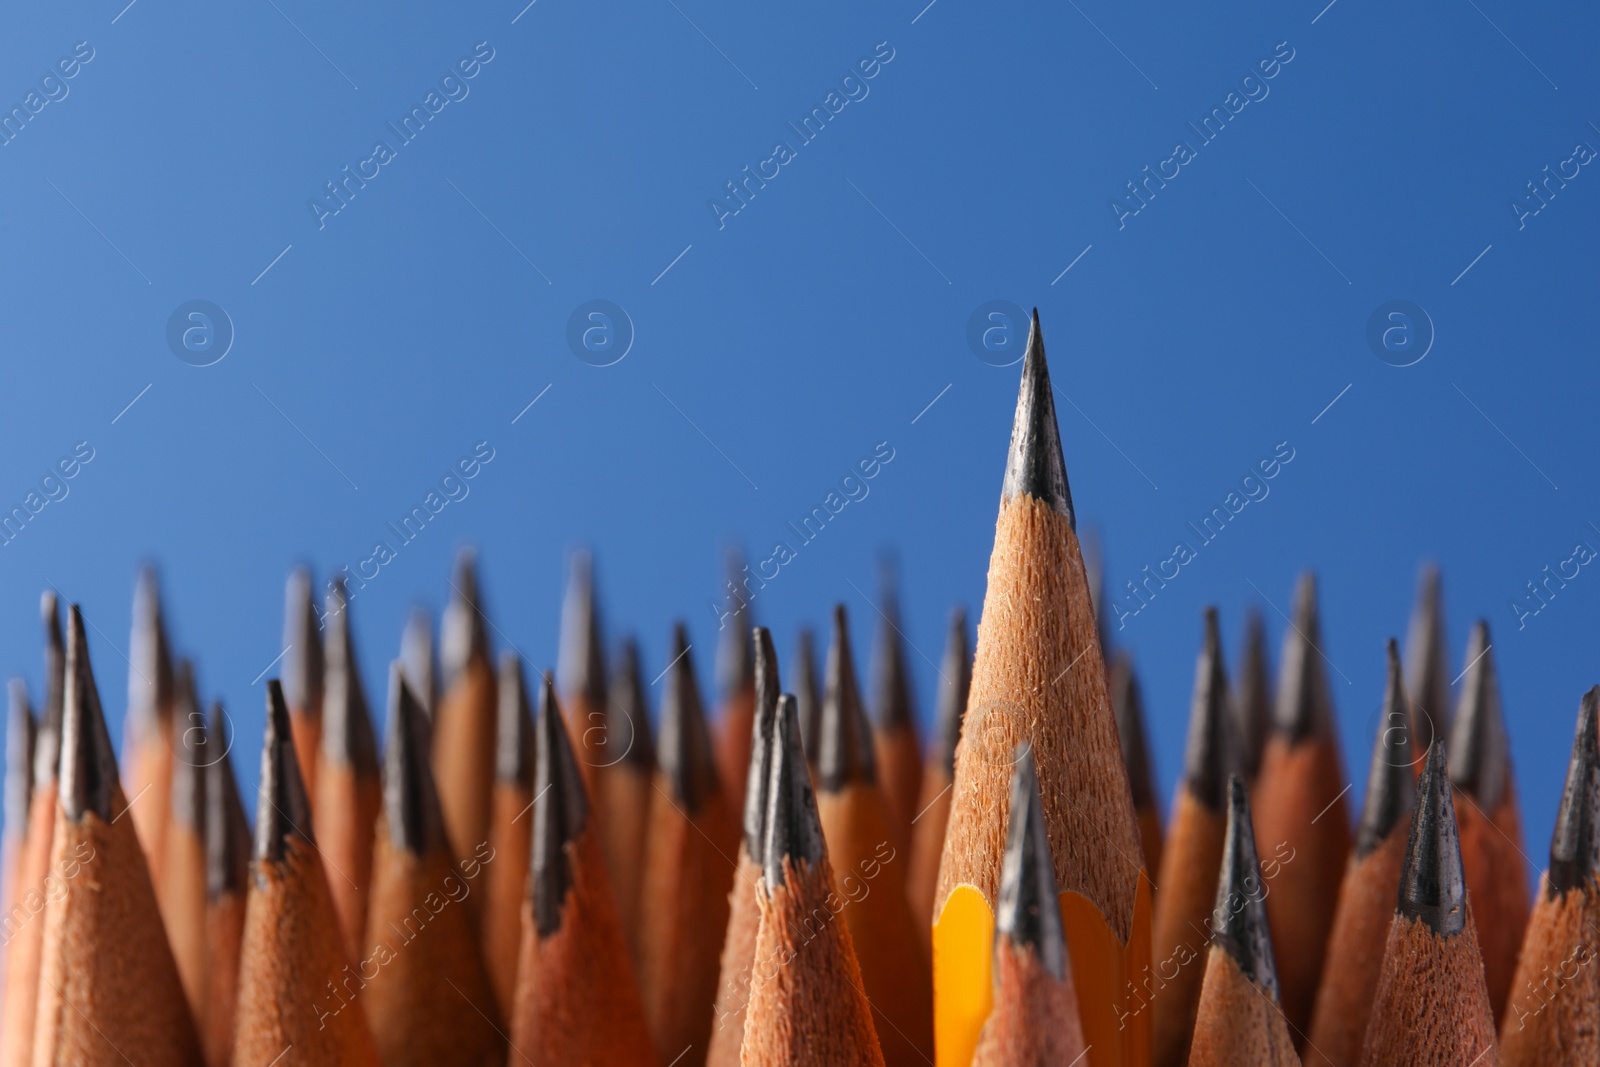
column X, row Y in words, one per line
column 303, row 673
column 1427, row 665
column 182, row 893
column 430, row 1002
column 1431, row 1008
column 349, row 789
column 25, row 931
column 1486, row 811
column 227, row 888
column 1254, row 706
column 147, row 728
column 416, row 652
column 869, row 867
column 894, row 720
column 1194, row 849
column 744, row 909
column 1035, row 1017
column 581, row 673
column 933, row 806
column 688, row 870
column 626, row 786
column 464, row 720
column 1371, row 883
column 1239, row 1023
column 807, row 694
column 1301, row 816
column 736, row 693
column 1551, row 1015
column 806, row 1001
column 297, row 989
column 20, row 731
column 108, row 988
column 576, row 1001
column 510, row 833
column 1034, row 680
column 1127, row 705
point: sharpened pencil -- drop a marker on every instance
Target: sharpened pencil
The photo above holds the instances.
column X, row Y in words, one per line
column 736, row 693
column 510, row 832
column 1127, row 704
column 581, row 673
column 182, row 893
column 303, row 672
column 1428, row 665
column 464, row 720
column 147, row 728
column 1254, row 706
column 227, row 890
column 807, row 693
column 416, row 652
column 626, row 786
column 895, row 739
column 933, row 806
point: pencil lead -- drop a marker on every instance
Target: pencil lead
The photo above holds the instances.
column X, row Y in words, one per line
column 21, row 732
column 1030, row 912
column 1034, row 464
column 735, row 655
column 227, row 827
column 794, row 831
column 89, row 781
column 149, row 656
column 190, row 743
column 416, row 652
column 1391, row 785
column 1480, row 756
column 1239, row 919
column 410, row 798
column 347, row 734
column 845, row 756
column 684, row 748
column 767, row 696
column 282, row 810
column 1253, row 711
column 514, row 744
column 561, row 811
column 1575, row 846
column 807, row 693
column 1426, row 673
column 302, row 642
column 628, row 708
column 47, row 741
column 1433, row 885
column 891, row 678
column 1212, row 754
column 956, row 671
column 581, row 659
column 1127, row 704
column 1302, row 711
column 462, row 637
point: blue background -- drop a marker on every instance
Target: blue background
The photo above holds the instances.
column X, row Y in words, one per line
column 823, row 318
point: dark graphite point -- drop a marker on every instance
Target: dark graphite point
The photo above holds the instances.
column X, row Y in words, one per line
column 1480, row 751
column 416, row 651
column 1239, row 916
column 47, row 742
column 1427, row 676
column 768, row 692
column 282, row 810
column 1030, row 910
column 807, row 694
column 956, row 680
column 1304, row 709
column 302, row 662
column 227, row 827
column 1127, row 705
column 410, row 798
column 684, row 752
column 560, row 812
column 89, row 781
column 513, row 736
column 1034, row 464
column 1391, row 784
column 735, row 663
column 793, row 832
column 1212, row 753
column 1575, row 846
column 1254, row 707
column 149, row 657
column 191, row 748
column 462, row 637
column 846, row 755
column 1433, row 887
column 628, row 712
column 581, row 660
column 891, row 679
column 347, row 735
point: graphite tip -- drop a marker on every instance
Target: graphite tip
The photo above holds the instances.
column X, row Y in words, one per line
column 891, row 678
column 1427, row 672
column 514, row 754
column 735, row 664
column 227, row 827
column 149, row 657
column 628, row 711
column 1575, row 846
column 1127, row 704
column 956, row 679
column 347, row 734
column 1254, row 707
column 808, row 693
column 1304, row 708
column 89, row 781
column 191, row 750
column 1034, row 464
column 1239, row 916
column 794, row 831
column 767, row 694
column 1212, row 754
column 1480, row 751
column 560, row 812
column 47, row 742
column 302, row 641
column 581, row 656
column 462, row 637
column 684, row 754
column 846, row 755
column 1433, row 887
column 282, row 809
column 416, row 652
column 410, row 797
column 1391, row 784
column 1030, row 911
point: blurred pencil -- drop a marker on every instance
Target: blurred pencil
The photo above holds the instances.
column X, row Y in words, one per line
column 1035, row 680
column 626, row 786
column 807, row 694
column 1194, row 848
column 869, row 868
column 576, row 1002
column 1431, row 1008
column 303, row 673
column 147, row 728
column 806, row 1002
column 182, row 893
column 933, row 806
column 581, row 674
column 1371, row 883
column 736, row 693
column 895, row 738
column 510, row 833
column 227, row 888
column 1486, row 811
column 108, row 987
column 1551, row 1014
column 1254, row 706
column 464, row 721
column 1427, row 665
column 1127, row 704
column 20, row 731
column 297, row 990
column 1035, row 1017
column 349, row 790
column 1239, row 1023
column 416, row 652
column 1301, row 816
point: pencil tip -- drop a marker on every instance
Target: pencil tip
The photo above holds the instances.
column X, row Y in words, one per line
column 845, row 755
column 735, row 664
column 684, row 748
column 302, row 643
column 1480, row 751
column 149, row 656
column 1427, row 676
column 1030, row 913
column 560, row 812
column 348, row 738
column 89, row 781
column 1253, row 712
column 47, row 741
column 513, row 736
column 581, row 656
column 1212, row 753
column 955, row 681
column 1303, row 710
column 807, row 694
column 190, row 752
column 1127, row 706
column 416, row 652
column 1239, row 915
column 21, row 732
column 282, row 810
column 410, row 797
column 628, row 710
column 794, row 831
column 1034, row 465
column 227, row 828
column 1575, row 846
column 462, row 637
column 768, row 692
column 891, row 678
column 1433, row 887
column 1391, row 783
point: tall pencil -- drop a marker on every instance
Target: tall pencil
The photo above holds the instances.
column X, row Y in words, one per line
column 933, row 806
column 806, row 1002
column 869, row 867
column 1239, row 1023
column 1551, row 1015
column 1431, row 1008
column 1127, row 704
column 147, row 728
column 108, row 989
column 1301, row 812
column 227, row 888
column 1194, row 848
column 807, row 693
column 1254, row 706
column 894, row 720
column 1371, row 884
column 1036, row 680
column 736, row 692
column 626, row 785
column 416, row 652
column 20, row 731
column 510, row 833
column 182, row 893
column 581, row 674
column 1491, row 827
column 302, row 672
column 1035, row 1017
column 464, row 720
column 1428, row 665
